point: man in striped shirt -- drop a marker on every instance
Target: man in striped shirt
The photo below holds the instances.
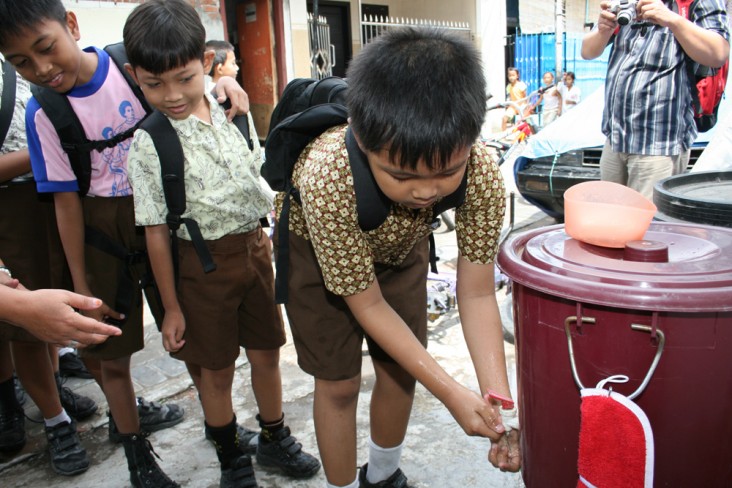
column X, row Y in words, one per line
column 648, row 117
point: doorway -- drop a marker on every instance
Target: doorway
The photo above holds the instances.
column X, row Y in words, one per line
column 338, row 15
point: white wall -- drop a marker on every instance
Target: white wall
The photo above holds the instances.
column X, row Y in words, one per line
column 491, row 38
column 101, row 22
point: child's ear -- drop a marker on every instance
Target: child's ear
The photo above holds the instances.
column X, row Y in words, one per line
column 73, row 25
column 131, row 71
column 208, row 58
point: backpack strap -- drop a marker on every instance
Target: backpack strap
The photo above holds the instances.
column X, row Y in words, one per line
column 372, row 206
column 71, row 133
column 7, row 103
column 126, row 282
column 241, row 122
column 118, row 54
column 167, row 144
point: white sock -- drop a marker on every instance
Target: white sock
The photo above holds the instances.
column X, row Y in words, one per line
column 383, row 462
column 60, row 418
column 65, row 350
column 349, row 485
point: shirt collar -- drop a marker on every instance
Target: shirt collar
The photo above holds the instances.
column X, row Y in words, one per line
column 190, row 125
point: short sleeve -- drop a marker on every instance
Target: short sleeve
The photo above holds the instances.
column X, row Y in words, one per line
column 143, row 171
column 480, row 218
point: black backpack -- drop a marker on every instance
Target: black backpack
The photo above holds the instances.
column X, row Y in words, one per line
column 78, row 147
column 306, row 109
column 7, row 103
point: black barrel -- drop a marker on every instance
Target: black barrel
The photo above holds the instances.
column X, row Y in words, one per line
column 700, row 198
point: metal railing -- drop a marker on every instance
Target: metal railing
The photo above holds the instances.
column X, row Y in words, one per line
column 373, row 26
column 322, row 52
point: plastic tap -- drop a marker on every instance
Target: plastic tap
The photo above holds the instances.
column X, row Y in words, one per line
column 509, row 412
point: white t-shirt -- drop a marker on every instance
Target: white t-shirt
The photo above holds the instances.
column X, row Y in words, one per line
column 550, row 102
column 569, row 95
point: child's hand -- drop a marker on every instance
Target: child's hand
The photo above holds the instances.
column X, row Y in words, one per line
column 475, row 416
column 227, row 87
column 505, row 453
column 174, row 326
column 103, row 314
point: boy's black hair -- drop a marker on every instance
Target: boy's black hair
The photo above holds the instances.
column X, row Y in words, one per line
column 161, row 35
column 418, row 92
column 221, row 50
column 19, row 16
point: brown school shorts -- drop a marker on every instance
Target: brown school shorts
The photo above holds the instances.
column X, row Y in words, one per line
column 327, row 337
column 29, row 245
column 114, row 217
column 232, row 306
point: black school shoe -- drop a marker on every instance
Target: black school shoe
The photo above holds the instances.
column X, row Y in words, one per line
column 248, row 439
column 12, row 430
column 77, row 406
column 396, row 480
column 144, row 470
column 67, row 456
column 282, row 451
column 239, row 474
column 153, row 417
column 71, row 365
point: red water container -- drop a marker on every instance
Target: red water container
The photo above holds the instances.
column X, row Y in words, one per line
column 678, row 281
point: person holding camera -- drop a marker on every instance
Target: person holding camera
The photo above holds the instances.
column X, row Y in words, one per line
column 648, row 116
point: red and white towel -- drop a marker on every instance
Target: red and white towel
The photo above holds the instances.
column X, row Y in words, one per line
column 616, row 442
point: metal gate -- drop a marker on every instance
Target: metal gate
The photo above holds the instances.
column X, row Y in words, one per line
column 322, row 52
column 373, row 26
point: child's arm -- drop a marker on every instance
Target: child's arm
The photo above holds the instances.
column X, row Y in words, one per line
column 228, row 87
column 385, row 326
column 14, row 164
column 70, row 220
column 481, row 323
column 157, row 238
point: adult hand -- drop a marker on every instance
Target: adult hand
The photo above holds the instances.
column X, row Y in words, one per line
column 655, row 11
column 227, row 87
column 50, row 316
column 607, row 22
column 505, row 453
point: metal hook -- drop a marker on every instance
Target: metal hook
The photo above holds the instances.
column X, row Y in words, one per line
column 639, row 327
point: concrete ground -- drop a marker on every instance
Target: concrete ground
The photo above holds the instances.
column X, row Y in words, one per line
column 437, row 453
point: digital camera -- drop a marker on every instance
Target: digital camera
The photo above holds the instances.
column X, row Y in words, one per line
column 624, row 10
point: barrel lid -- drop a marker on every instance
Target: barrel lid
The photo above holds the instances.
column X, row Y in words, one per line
column 700, row 198
column 695, row 276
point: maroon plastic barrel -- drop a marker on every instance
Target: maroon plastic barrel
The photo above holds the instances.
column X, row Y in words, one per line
column 678, row 280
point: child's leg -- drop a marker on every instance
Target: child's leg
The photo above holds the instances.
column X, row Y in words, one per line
column 215, row 393
column 12, row 419
column 391, row 405
column 334, row 414
column 266, row 383
column 120, row 394
column 35, row 370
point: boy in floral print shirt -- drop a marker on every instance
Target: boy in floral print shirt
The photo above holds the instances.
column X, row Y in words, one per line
column 209, row 316
column 416, row 102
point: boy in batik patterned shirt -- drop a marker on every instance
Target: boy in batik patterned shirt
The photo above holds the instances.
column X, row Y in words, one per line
column 416, row 102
